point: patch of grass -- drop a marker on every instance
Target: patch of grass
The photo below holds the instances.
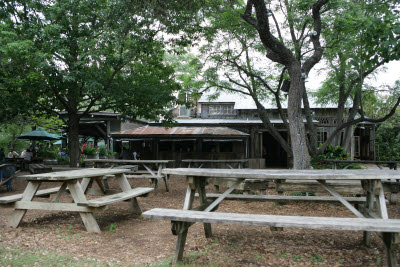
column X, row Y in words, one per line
column 14, row 256
column 297, row 258
column 341, row 261
column 378, row 260
column 282, row 255
column 112, row 228
column 317, row 258
column 259, row 258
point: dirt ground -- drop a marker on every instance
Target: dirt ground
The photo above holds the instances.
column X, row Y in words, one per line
column 128, row 240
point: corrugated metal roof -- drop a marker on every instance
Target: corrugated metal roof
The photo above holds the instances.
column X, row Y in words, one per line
column 179, row 131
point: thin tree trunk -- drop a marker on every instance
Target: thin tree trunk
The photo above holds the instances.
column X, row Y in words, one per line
column 73, row 144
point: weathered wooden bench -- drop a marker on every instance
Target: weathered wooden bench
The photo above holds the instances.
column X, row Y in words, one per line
column 281, row 198
column 388, row 227
column 17, row 197
column 111, row 199
column 36, row 168
column 154, row 179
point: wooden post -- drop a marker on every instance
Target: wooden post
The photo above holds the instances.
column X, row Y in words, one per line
column 369, row 186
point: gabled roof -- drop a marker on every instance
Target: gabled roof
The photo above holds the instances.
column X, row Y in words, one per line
column 181, row 131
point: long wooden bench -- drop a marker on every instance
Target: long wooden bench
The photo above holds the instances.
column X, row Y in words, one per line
column 106, row 200
column 388, row 227
column 154, row 179
column 284, row 198
column 39, row 193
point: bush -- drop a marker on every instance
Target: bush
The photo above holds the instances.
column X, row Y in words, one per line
column 63, row 160
column 89, row 151
column 332, row 152
column 48, row 153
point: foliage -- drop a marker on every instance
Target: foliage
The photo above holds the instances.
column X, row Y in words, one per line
column 87, row 56
column 63, row 160
column 48, row 152
column 331, row 152
column 90, row 151
column 387, row 140
column 104, row 152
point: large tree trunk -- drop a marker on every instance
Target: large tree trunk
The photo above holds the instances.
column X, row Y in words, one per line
column 73, row 144
column 298, row 138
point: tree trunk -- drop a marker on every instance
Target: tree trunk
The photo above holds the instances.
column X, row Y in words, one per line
column 73, row 144
column 298, row 138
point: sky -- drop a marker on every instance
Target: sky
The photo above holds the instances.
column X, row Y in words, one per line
column 388, row 75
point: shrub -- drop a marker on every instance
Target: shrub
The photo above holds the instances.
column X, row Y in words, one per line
column 48, row 153
column 89, row 151
column 332, row 152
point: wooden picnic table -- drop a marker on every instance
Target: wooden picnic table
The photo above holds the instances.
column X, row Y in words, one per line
column 154, row 175
column 212, row 163
column 70, row 183
column 367, row 220
column 392, row 163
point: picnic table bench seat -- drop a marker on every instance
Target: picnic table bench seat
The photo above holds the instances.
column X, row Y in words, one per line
column 110, row 199
column 388, row 229
column 40, row 193
column 284, row 198
column 35, row 168
column 327, row 223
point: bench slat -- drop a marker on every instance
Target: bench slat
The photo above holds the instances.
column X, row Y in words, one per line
column 331, row 223
column 103, row 201
column 144, row 177
column 284, row 198
column 17, row 197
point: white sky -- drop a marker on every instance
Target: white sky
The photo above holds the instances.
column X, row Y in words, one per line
column 388, row 75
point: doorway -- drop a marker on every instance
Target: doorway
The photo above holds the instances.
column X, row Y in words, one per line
column 273, row 153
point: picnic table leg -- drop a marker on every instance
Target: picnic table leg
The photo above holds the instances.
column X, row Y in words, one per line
column 79, row 197
column 29, row 193
column 60, row 192
column 182, row 229
column 125, row 186
column 369, row 186
column 165, row 178
column 389, row 240
column 200, row 184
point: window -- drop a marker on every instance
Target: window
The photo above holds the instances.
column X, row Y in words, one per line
column 184, row 111
column 221, row 110
column 322, row 136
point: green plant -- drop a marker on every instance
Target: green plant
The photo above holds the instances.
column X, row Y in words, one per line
column 341, row 261
column 378, row 260
column 63, row 160
column 297, row 258
column 331, row 152
column 90, row 151
column 103, row 151
column 282, row 255
column 113, row 228
column 48, row 153
column 317, row 258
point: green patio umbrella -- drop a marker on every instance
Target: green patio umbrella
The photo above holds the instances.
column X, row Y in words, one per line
column 39, row 135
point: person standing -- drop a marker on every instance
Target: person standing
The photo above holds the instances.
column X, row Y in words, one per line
column 27, row 158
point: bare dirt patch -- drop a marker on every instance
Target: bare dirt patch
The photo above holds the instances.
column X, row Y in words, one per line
column 129, row 240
